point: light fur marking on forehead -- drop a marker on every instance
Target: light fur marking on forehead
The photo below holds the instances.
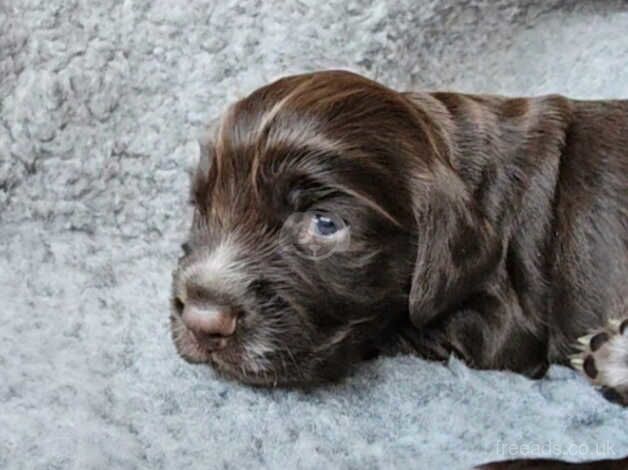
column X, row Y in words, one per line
column 221, row 270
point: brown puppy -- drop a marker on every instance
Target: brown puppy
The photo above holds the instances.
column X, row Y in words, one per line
column 336, row 219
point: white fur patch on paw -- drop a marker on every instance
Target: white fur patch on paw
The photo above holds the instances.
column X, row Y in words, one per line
column 603, row 359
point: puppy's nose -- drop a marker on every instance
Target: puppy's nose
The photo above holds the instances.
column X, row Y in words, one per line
column 209, row 320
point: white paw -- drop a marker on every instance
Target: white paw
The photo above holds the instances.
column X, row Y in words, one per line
column 603, row 359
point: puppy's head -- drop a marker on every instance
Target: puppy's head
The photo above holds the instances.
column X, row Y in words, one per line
column 303, row 249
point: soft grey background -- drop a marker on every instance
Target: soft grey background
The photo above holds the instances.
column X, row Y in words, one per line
column 100, row 102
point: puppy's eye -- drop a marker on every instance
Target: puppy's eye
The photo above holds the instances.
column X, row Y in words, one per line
column 315, row 234
column 324, row 225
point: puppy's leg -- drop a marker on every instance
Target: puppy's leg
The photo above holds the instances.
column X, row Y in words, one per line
column 604, row 360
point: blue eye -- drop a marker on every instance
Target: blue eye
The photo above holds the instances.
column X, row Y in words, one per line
column 316, row 234
column 324, row 226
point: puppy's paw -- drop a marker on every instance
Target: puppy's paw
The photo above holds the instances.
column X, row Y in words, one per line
column 604, row 360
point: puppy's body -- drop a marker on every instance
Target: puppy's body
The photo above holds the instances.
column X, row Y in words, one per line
column 488, row 227
column 550, row 176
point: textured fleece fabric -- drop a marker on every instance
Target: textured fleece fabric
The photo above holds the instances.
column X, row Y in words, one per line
column 100, row 105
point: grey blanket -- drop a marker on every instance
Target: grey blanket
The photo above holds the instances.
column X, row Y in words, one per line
column 100, row 103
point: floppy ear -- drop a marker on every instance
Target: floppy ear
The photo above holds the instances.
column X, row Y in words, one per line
column 456, row 249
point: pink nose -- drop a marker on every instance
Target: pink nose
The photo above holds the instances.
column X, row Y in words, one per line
column 209, row 320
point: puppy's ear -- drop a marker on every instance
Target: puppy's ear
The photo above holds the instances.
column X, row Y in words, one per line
column 457, row 248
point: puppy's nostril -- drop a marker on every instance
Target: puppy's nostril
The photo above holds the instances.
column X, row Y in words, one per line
column 185, row 248
column 178, row 305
